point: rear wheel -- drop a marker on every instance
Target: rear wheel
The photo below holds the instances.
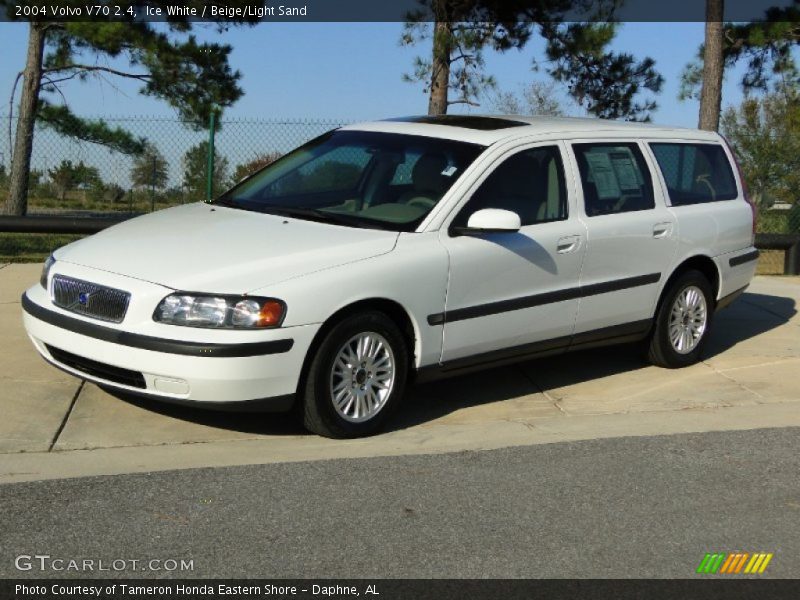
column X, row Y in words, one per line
column 682, row 322
column 356, row 377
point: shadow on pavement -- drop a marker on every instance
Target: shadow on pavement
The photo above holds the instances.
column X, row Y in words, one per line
column 750, row 316
column 244, row 422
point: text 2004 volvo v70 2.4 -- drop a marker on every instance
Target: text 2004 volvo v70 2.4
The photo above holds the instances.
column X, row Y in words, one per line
column 403, row 249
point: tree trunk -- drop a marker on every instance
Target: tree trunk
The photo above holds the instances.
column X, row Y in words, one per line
column 713, row 67
column 440, row 68
column 17, row 203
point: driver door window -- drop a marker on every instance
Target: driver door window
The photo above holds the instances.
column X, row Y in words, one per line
column 529, row 183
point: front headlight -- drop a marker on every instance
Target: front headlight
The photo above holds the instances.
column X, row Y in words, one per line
column 226, row 312
column 48, row 264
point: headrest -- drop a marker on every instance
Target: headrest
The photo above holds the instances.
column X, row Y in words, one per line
column 427, row 173
column 517, row 175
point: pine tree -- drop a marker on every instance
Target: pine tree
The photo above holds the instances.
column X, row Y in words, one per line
column 67, row 176
column 150, row 169
column 195, row 172
column 170, row 63
column 766, row 45
column 605, row 83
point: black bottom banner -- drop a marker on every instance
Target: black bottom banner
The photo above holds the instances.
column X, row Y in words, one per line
column 391, row 589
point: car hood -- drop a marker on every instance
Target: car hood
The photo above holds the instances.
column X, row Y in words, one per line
column 197, row 247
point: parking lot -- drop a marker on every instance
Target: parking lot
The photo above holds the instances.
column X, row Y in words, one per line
column 54, row 426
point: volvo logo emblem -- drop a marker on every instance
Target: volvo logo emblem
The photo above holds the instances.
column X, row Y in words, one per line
column 81, row 300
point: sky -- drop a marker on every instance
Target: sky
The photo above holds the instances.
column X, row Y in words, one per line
column 353, row 71
column 337, row 72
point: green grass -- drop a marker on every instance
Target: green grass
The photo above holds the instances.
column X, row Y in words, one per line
column 31, row 247
column 138, row 205
column 35, row 247
column 773, row 221
column 779, row 221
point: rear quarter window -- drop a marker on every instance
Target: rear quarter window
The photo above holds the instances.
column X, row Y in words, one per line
column 614, row 177
column 695, row 173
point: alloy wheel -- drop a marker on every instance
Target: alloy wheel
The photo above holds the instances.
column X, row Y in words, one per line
column 688, row 319
column 362, row 377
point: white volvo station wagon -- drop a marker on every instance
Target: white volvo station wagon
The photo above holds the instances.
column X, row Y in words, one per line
column 395, row 251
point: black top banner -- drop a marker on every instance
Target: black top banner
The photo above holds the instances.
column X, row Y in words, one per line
column 392, row 10
column 393, row 589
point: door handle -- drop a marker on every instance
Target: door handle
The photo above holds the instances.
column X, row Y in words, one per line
column 568, row 244
column 662, row 230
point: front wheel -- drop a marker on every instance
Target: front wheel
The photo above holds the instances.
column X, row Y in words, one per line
column 356, row 377
column 682, row 322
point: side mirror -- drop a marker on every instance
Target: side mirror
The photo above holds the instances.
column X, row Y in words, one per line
column 490, row 220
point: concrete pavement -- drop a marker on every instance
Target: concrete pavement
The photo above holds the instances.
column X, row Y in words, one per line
column 54, row 426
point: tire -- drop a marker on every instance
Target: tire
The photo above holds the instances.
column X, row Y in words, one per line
column 681, row 331
column 366, row 391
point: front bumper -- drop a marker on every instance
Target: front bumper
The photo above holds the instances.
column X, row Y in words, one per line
column 232, row 368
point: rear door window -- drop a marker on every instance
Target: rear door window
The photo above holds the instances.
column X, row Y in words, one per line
column 695, row 173
column 615, row 178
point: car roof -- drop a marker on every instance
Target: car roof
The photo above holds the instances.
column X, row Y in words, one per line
column 489, row 129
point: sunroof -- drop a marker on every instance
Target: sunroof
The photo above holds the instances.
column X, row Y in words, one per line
column 467, row 121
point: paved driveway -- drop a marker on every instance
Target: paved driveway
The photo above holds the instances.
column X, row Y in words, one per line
column 55, row 426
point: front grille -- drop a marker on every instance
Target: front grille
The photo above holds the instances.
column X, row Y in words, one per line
column 90, row 299
column 98, row 369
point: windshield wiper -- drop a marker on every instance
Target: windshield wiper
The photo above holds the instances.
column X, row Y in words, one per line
column 323, row 216
column 313, row 214
column 223, row 201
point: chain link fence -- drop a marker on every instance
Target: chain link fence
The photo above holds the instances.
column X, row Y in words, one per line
column 69, row 177
column 780, row 219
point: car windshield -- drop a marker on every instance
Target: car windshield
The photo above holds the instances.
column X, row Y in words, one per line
column 357, row 178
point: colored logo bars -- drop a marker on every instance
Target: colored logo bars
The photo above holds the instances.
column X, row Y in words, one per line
column 734, row 563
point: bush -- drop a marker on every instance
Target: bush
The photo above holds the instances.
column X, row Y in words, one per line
column 773, row 221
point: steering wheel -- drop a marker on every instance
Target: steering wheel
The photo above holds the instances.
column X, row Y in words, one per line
column 422, row 202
